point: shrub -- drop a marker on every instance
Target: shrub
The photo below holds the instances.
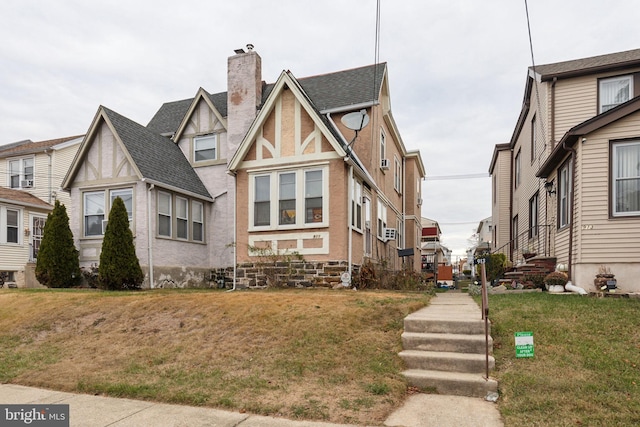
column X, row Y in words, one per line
column 57, row 265
column 556, row 278
column 119, row 267
column 495, row 265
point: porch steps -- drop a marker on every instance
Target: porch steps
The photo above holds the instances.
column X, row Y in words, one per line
column 444, row 347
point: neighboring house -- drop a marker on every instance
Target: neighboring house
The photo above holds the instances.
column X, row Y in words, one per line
column 22, row 218
column 482, row 242
column 434, row 254
column 568, row 183
column 214, row 181
column 32, row 175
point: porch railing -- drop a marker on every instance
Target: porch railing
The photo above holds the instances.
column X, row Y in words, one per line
column 536, row 240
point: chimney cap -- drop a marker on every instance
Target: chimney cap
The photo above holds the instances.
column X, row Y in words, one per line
column 239, row 51
column 249, row 47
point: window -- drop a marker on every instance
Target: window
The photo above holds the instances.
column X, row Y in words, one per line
column 262, row 204
column 397, row 175
column 495, row 187
column 197, row 218
column 626, row 178
column 94, row 211
column 313, row 189
column 182, row 218
column 287, row 196
column 382, row 218
column 564, row 184
column 533, row 216
column 356, row 205
column 299, row 194
column 164, row 214
column 614, row 91
column 533, row 139
column 400, row 234
column 383, row 148
column 127, row 197
column 205, row 148
column 12, row 225
column 367, row 225
column 517, row 170
column 21, row 173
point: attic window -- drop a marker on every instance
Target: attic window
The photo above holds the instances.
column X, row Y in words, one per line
column 205, row 148
column 614, row 91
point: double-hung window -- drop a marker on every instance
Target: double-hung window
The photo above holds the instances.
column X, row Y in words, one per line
column 356, row 205
column 626, row 178
column 397, row 175
column 313, row 190
column 533, row 216
column 182, row 218
column 94, row 211
column 382, row 218
column 127, row 197
column 12, row 216
column 564, row 190
column 197, row 219
column 614, row 91
column 205, row 148
column 21, row 173
column 262, row 200
column 287, row 196
column 164, row 214
column 517, row 168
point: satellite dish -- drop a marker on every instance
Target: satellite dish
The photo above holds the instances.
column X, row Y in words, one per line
column 356, row 120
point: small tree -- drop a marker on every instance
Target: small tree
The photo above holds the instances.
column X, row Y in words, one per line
column 57, row 265
column 119, row 267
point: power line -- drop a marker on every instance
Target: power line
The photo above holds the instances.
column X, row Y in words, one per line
column 464, row 176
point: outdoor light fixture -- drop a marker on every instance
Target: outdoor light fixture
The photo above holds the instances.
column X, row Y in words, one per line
column 549, row 187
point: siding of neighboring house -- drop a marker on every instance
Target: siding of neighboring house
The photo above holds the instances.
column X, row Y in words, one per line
column 501, row 182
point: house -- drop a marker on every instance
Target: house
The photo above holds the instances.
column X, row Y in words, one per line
column 33, row 173
column 215, row 182
column 483, row 238
column 567, row 183
column 436, row 258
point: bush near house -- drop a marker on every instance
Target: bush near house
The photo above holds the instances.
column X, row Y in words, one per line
column 57, row 265
column 495, row 265
column 119, row 267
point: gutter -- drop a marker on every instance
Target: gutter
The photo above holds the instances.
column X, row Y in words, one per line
column 149, row 234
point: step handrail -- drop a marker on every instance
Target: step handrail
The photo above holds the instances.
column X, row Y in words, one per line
column 485, row 316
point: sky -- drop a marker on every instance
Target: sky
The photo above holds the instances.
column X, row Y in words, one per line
column 457, row 68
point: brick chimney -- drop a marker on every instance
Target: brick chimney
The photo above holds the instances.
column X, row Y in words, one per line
column 244, row 94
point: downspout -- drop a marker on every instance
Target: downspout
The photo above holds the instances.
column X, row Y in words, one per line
column 349, row 216
column 149, row 235
column 511, row 172
column 235, row 234
column 571, row 202
column 403, row 191
column 553, row 113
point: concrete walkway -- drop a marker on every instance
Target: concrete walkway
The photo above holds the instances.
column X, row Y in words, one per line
column 99, row 411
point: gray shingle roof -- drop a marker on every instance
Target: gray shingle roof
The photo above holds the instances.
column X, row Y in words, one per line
column 326, row 92
column 157, row 157
column 589, row 65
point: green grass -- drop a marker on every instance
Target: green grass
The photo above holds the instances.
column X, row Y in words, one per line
column 586, row 368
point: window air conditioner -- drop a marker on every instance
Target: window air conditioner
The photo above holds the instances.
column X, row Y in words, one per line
column 367, row 224
column 26, row 183
column 104, row 225
column 420, row 201
column 384, row 164
column 390, row 234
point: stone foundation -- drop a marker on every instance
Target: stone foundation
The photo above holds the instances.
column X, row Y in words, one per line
column 294, row 274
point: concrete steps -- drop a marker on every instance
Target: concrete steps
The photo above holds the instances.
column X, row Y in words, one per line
column 444, row 347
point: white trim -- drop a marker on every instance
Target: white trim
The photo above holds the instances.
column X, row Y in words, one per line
column 299, row 237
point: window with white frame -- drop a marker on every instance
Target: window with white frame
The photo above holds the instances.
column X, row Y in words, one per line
column 164, row 214
column 356, row 205
column 300, row 196
column 287, row 198
column 94, row 212
column 367, row 225
column 382, row 218
column 397, row 175
column 614, row 91
column 197, row 220
column 383, row 146
column 11, row 222
column 533, row 216
column 564, row 192
column 399, row 234
column 516, row 232
column 262, row 200
column 517, row 168
column 534, row 140
column 20, row 173
column 205, row 148
column 182, row 218
column 126, row 194
column 626, row 178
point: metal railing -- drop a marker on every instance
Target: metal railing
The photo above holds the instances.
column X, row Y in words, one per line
column 534, row 241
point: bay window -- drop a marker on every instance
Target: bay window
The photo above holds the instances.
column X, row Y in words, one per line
column 197, row 219
column 626, row 178
column 182, row 218
column 164, row 214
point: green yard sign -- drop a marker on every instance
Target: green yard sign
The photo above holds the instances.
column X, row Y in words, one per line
column 524, row 344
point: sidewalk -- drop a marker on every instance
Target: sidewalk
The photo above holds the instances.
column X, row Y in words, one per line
column 99, row 411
